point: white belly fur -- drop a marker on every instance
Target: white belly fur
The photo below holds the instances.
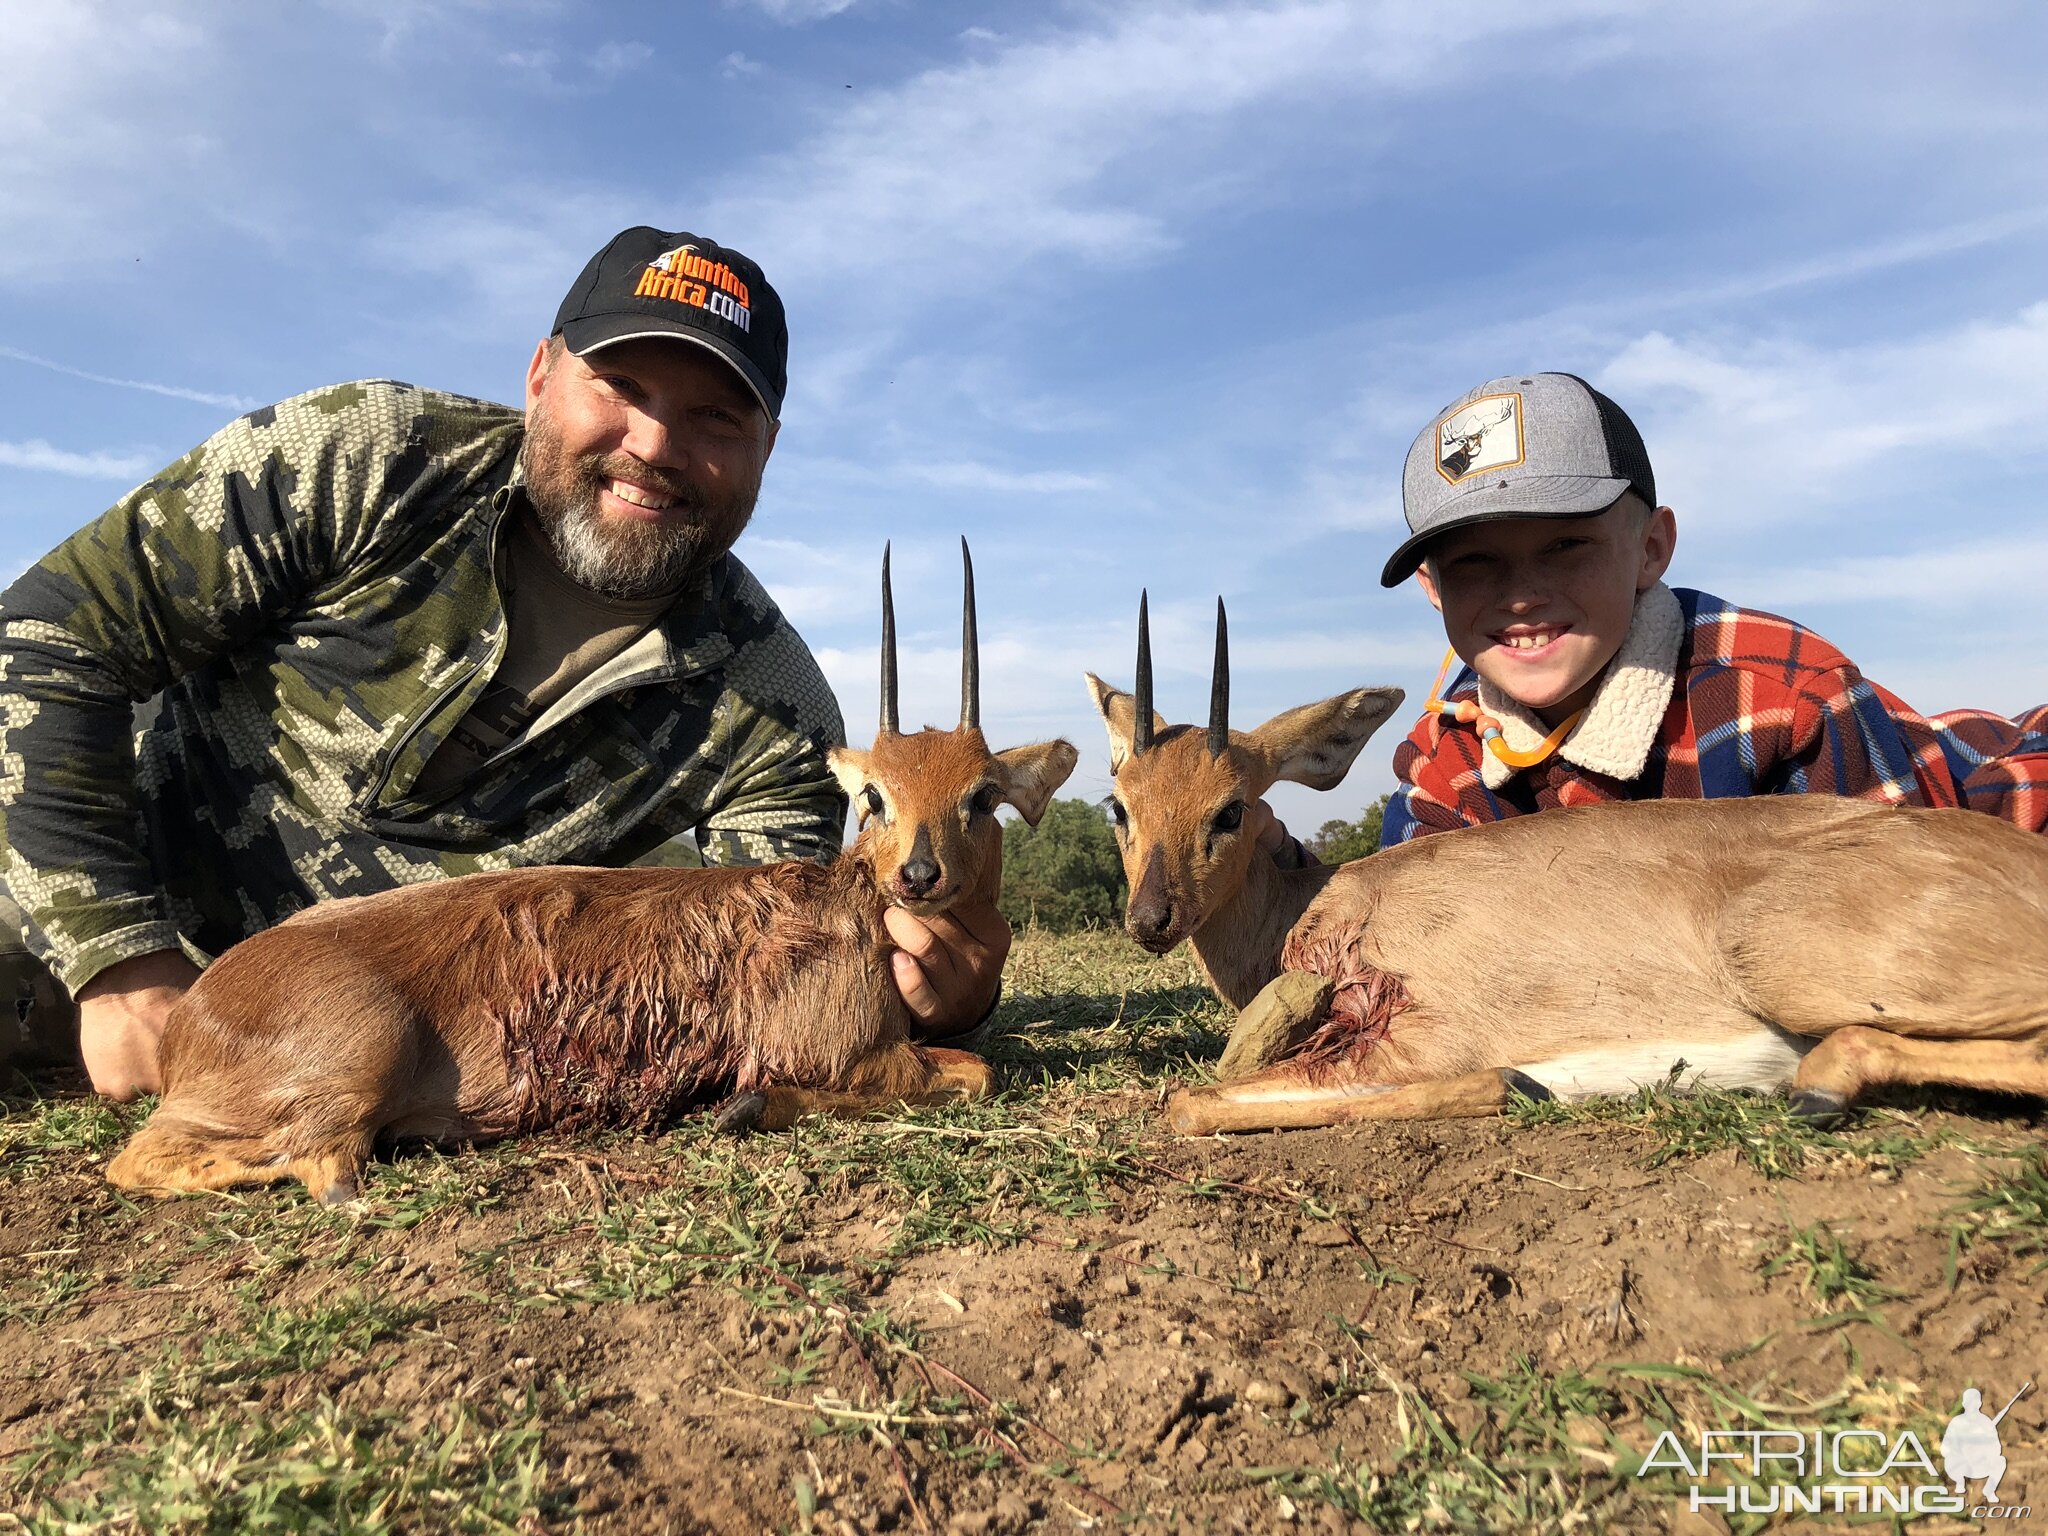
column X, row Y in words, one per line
column 1764, row 1059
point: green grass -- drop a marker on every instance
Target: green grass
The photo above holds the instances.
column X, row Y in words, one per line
column 1824, row 1268
column 2008, row 1211
column 1558, row 1450
column 160, row 1462
column 253, row 1408
column 976, row 1175
column 45, row 1293
column 37, row 1135
column 191, row 1444
column 1760, row 1129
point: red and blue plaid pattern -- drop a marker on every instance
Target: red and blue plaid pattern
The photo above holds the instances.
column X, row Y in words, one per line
column 1762, row 707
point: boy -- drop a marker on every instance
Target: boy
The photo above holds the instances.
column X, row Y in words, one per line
column 1536, row 533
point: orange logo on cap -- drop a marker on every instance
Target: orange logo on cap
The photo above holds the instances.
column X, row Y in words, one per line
column 685, row 277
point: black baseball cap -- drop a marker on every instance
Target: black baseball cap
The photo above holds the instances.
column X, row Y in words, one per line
column 651, row 282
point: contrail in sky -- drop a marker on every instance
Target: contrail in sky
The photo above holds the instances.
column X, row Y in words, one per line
column 176, row 392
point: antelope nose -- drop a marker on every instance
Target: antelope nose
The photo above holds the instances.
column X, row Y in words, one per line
column 1150, row 920
column 918, row 877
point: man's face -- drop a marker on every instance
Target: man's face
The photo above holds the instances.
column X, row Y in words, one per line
column 1538, row 606
column 643, row 460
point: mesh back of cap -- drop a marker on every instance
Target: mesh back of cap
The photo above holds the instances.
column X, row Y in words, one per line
column 1625, row 450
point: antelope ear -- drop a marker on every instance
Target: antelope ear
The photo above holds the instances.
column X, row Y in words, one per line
column 1119, row 712
column 1031, row 774
column 1317, row 743
column 850, row 768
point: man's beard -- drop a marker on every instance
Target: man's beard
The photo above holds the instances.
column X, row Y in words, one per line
column 611, row 556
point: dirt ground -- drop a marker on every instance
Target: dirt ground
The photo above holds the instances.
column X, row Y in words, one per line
column 1040, row 1314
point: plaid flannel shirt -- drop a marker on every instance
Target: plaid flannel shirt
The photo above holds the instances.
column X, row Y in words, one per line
column 1761, row 706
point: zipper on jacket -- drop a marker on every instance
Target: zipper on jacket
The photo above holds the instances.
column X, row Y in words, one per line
column 374, row 805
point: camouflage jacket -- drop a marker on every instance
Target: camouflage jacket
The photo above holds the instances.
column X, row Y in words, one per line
column 313, row 594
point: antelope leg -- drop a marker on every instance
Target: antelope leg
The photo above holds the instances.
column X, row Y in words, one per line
column 1855, row 1058
column 1280, row 1100
column 907, row 1075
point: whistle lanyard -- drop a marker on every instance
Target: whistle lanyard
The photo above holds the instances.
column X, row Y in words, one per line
column 1468, row 712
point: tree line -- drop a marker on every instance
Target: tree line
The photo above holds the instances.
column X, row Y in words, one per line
column 1065, row 874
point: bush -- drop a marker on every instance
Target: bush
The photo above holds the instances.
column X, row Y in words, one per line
column 1064, row 874
column 1339, row 842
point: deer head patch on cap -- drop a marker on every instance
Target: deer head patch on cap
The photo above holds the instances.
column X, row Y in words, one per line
column 1483, row 434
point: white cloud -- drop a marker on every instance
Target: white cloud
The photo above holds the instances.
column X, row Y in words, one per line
column 1955, row 576
column 172, row 391
column 542, row 69
column 612, row 60
column 410, row 25
column 792, row 13
column 966, row 476
column 1032, row 689
column 734, row 66
column 816, row 585
column 1082, row 146
column 807, row 471
column 503, row 268
column 1833, row 266
column 1746, row 433
column 88, row 134
column 98, row 465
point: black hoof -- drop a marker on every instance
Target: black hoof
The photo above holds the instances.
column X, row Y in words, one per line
column 742, row 1115
column 1817, row 1106
column 341, row 1191
column 1525, row 1085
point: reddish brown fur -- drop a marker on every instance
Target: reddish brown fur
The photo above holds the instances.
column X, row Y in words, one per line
column 494, row 1004
column 928, row 757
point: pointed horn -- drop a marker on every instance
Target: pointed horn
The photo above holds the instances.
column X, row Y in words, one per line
column 1219, row 687
column 1141, row 723
column 970, row 650
column 889, row 725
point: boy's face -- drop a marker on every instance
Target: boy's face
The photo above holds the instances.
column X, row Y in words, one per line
column 1539, row 605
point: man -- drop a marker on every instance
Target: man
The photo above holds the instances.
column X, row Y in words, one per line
column 396, row 635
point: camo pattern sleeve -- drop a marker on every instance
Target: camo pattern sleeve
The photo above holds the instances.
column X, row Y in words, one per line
column 183, row 575
column 776, row 797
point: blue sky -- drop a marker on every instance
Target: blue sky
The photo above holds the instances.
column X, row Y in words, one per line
column 1132, row 294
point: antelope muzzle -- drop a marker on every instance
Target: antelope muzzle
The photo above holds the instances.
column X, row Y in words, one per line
column 1153, row 917
column 919, row 877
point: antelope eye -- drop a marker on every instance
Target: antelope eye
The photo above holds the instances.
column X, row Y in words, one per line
column 1230, row 818
column 985, row 800
column 871, row 801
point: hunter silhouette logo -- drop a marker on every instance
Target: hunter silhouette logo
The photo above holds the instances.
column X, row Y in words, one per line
column 1970, row 1448
column 681, row 275
column 1844, row 1471
column 1487, row 434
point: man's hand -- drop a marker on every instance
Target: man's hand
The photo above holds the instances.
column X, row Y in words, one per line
column 121, row 1015
column 948, row 967
column 1270, row 837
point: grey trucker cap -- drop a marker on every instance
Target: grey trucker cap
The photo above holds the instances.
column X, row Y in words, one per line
column 1541, row 445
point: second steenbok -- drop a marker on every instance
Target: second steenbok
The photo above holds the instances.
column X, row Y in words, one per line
column 1796, row 942
column 493, row 1004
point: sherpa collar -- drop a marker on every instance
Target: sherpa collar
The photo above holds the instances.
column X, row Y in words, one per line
column 1613, row 738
